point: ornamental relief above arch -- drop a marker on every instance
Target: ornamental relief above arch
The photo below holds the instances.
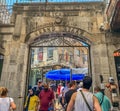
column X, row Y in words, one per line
column 37, row 26
column 58, row 30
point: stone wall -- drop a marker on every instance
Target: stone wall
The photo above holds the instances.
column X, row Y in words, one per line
column 78, row 20
column 14, row 71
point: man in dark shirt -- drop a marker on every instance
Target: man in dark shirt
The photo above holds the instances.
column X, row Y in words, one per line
column 69, row 93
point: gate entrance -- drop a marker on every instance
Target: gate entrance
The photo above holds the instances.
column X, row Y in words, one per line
column 58, row 35
column 56, row 51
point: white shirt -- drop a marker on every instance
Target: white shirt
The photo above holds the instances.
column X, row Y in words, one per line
column 80, row 102
column 5, row 103
column 61, row 91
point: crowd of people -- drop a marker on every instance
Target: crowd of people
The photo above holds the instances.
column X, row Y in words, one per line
column 72, row 96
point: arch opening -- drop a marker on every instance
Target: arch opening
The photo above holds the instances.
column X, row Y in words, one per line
column 55, row 51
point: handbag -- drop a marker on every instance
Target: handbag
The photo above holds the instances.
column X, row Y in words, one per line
column 85, row 101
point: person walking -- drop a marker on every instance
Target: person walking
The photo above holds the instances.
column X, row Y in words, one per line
column 103, row 99
column 61, row 96
column 46, row 99
column 6, row 103
column 38, row 88
column 69, row 93
column 84, row 100
column 58, row 93
column 32, row 101
column 112, row 86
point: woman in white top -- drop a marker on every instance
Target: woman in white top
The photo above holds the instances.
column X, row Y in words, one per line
column 6, row 102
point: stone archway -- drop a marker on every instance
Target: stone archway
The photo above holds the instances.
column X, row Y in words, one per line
column 79, row 21
column 52, row 30
column 46, row 30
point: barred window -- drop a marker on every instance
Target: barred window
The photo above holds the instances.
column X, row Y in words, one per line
column 50, row 52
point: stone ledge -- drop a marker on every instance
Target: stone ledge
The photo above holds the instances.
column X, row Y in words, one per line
column 6, row 25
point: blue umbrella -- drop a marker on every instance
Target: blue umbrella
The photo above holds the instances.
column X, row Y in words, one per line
column 63, row 74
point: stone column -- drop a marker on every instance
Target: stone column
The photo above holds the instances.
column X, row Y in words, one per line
column 15, row 72
column 100, row 63
column 21, row 75
column 113, row 44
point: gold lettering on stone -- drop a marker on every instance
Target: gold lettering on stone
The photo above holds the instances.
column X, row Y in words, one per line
column 39, row 31
column 36, row 34
column 81, row 33
column 53, row 28
column 76, row 32
column 44, row 30
column 65, row 28
column 48, row 29
column 68, row 29
column 72, row 30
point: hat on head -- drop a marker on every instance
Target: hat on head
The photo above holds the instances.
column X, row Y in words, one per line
column 111, row 80
column 39, row 81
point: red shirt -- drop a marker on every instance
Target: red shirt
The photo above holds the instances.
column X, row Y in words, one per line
column 58, row 90
column 45, row 98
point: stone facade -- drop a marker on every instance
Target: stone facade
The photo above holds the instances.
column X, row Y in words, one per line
column 30, row 22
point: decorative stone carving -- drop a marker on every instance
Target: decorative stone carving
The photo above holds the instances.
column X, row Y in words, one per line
column 58, row 20
column 18, row 26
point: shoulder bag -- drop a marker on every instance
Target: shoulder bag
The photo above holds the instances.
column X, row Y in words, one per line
column 102, row 99
column 85, row 100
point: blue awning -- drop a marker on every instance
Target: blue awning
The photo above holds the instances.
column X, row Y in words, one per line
column 63, row 74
